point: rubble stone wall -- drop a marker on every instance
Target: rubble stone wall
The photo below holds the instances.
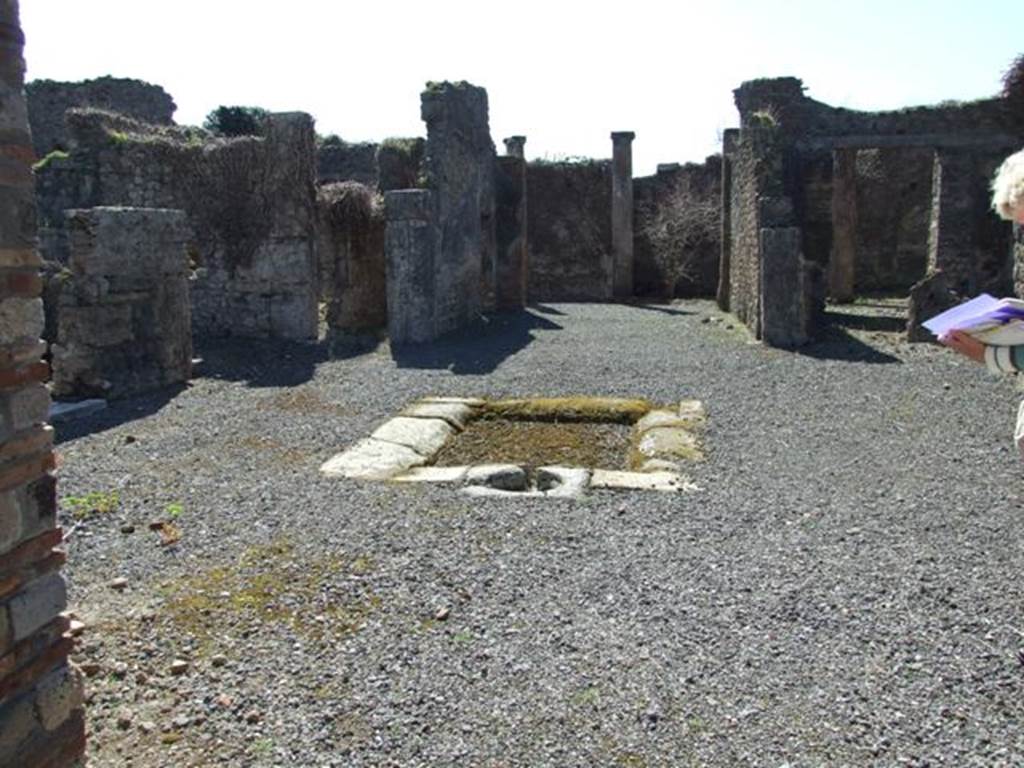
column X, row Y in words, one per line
column 48, row 100
column 124, row 325
column 569, row 223
column 249, row 201
column 41, row 716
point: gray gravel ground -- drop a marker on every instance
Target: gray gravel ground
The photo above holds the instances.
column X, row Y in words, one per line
column 845, row 591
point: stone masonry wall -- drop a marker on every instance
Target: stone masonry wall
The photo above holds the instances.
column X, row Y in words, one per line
column 569, row 224
column 249, row 201
column 338, row 160
column 124, row 323
column 41, row 718
column 48, row 100
column 654, row 195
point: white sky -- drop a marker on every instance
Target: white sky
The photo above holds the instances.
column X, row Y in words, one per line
column 564, row 74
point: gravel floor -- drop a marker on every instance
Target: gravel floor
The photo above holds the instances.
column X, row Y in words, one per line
column 846, row 590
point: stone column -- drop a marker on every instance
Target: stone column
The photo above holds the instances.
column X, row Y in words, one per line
column 411, row 240
column 510, row 196
column 515, row 146
column 41, row 717
column 730, row 139
column 842, row 264
column 622, row 213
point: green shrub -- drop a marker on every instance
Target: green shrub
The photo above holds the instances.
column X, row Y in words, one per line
column 236, row 121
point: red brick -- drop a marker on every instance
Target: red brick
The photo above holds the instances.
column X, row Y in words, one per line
column 24, row 471
column 24, row 651
column 28, row 675
column 31, row 551
column 10, row 585
column 26, row 443
column 19, row 152
column 16, row 377
column 25, row 284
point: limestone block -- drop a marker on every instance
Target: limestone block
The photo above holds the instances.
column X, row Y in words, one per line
column 506, row 477
column 472, row 402
column 562, row 482
column 667, row 443
column 425, row 436
column 636, row 481
column 58, row 695
column 455, row 414
column 692, row 410
column 660, row 465
column 483, row 491
column 372, row 459
column 21, row 321
column 69, row 411
column 36, row 605
column 442, row 475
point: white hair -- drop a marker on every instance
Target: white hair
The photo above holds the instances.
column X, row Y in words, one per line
column 1008, row 188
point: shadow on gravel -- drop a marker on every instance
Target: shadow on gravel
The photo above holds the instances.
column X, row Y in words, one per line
column 116, row 413
column 478, row 348
column 888, row 324
column 657, row 306
column 836, row 343
column 260, row 363
column 544, row 309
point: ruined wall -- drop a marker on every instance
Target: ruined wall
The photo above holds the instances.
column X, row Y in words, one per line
column 48, row 100
column 784, row 101
column 667, row 197
column 124, row 325
column 337, row 160
column 249, row 201
column 41, row 717
column 569, row 221
column 350, row 251
column 886, row 212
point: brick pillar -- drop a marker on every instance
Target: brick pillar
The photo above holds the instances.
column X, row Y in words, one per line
column 842, row 262
column 41, row 717
column 515, row 146
column 729, row 140
column 622, row 213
